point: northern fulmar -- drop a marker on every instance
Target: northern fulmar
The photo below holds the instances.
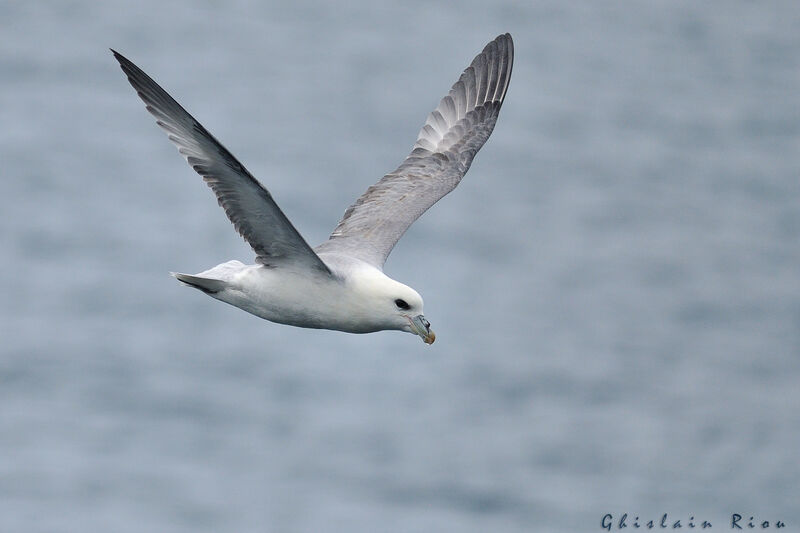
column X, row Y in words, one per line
column 340, row 284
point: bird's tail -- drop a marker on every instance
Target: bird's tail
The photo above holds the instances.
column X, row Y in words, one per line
column 207, row 285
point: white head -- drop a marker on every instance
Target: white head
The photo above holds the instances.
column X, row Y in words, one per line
column 388, row 304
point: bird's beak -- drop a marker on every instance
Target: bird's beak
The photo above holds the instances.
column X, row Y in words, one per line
column 422, row 327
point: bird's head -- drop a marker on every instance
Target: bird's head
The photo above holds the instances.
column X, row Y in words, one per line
column 407, row 309
column 395, row 305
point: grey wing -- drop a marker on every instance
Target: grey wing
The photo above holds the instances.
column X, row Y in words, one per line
column 249, row 206
column 445, row 148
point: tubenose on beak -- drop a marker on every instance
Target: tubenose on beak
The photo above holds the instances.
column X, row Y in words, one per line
column 422, row 327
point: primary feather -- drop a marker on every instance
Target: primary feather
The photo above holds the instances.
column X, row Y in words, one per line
column 249, row 206
column 445, row 148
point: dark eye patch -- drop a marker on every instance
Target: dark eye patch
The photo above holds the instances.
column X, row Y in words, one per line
column 402, row 304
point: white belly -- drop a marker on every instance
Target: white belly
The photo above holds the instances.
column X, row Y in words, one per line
column 299, row 300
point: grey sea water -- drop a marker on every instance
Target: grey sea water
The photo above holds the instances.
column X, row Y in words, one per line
column 615, row 285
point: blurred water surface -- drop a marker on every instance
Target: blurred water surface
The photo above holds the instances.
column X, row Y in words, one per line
column 614, row 286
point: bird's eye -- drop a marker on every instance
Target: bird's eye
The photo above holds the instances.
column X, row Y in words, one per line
column 401, row 304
